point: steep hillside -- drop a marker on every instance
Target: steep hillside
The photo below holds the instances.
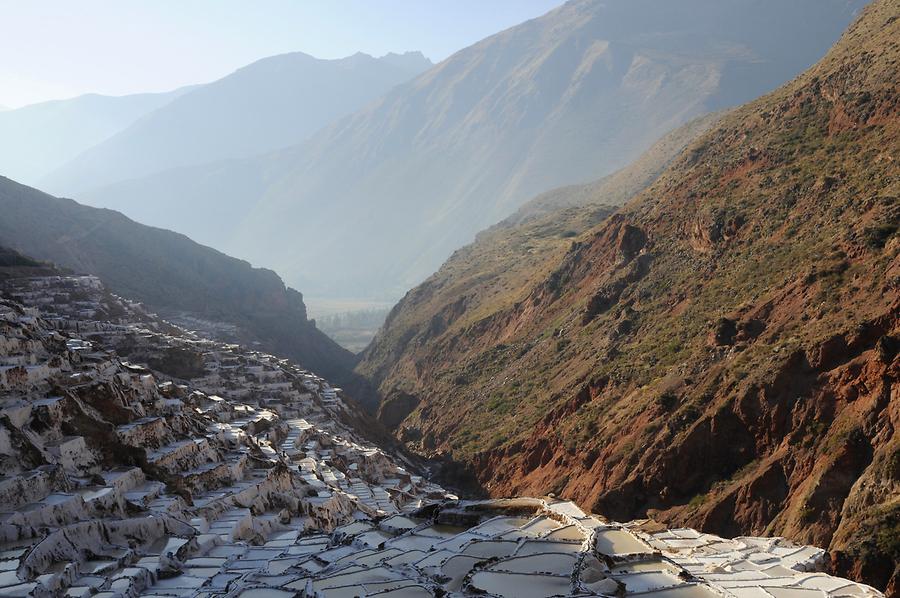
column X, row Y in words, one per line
column 36, row 140
column 373, row 204
column 722, row 352
column 504, row 263
column 267, row 105
column 617, row 188
column 169, row 272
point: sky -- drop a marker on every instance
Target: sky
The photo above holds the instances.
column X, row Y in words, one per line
column 53, row 49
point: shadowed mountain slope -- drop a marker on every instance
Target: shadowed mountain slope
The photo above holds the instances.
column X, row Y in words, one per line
column 15, row 265
column 721, row 352
column 168, row 272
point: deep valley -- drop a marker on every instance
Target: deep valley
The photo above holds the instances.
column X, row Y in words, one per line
column 605, row 299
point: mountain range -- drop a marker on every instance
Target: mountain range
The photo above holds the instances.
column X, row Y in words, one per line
column 373, row 203
column 719, row 352
column 37, row 139
column 269, row 104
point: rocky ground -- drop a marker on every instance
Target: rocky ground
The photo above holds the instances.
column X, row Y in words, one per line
column 251, row 480
column 115, row 477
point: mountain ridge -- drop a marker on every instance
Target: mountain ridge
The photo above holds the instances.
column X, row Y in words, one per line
column 271, row 103
column 561, row 99
column 41, row 137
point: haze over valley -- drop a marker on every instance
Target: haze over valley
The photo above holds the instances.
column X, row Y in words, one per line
column 565, row 98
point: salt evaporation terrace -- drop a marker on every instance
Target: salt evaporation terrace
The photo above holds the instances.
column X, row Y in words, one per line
column 250, row 480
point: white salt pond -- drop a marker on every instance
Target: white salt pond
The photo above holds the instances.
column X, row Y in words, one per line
column 616, row 542
column 520, row 585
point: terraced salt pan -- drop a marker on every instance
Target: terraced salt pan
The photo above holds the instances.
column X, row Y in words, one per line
column 489, row 549
column 618, row 542
column 455, row 570
column 373, row 538
column 266, row 593
column 543, row 573
column 519, row 585
column 529, row 547
column 498, row 525
column 569, row 533
column 687, row 591
column 441, row 531
column 545, row 562
column 413, row 542
column 434, row 559
column 358, row 577
column 377, row 557
column 540, row 526
column 410, row 591
column 646, row 581
column 398, row 523
column 457, row 542
column 406, row 557
column 645, row 565
column 268, row 531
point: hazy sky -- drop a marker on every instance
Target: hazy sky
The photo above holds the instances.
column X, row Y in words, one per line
column 53, row 49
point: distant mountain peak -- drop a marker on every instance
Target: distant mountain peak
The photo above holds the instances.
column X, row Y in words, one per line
column 410, row 60
column 38, row 138
column 270, row 104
